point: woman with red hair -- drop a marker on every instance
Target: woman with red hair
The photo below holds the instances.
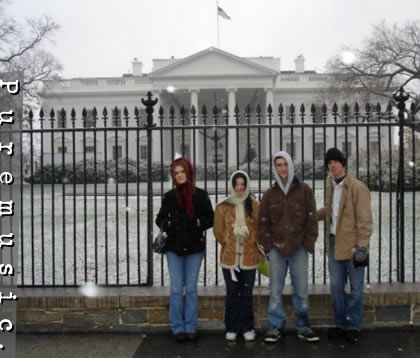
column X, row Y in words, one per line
column 185, row 214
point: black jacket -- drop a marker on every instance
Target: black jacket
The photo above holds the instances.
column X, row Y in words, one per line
column 184, row 234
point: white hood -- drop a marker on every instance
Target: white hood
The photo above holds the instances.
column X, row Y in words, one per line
column 291, row 173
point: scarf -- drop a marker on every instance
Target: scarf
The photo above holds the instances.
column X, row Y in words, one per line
column 239, row 227
column 185, row 191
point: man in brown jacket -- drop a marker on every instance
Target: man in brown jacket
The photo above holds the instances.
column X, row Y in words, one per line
column 348, row 227
column 288, row 229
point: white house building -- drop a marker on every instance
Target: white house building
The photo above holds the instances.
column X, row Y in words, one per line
column 211, row 77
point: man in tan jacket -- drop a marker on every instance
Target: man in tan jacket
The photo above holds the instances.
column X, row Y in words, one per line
column 348, row 227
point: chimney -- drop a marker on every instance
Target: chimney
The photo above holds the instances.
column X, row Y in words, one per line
column 137, row 67
column 300, row 64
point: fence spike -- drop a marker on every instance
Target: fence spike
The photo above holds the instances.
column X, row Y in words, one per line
column 73, row 116
column 302, row 112
column 105, row 113
column 335, row 112
column 346, row 108
column 115, row 113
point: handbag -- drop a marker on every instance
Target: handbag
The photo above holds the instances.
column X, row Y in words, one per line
column 264, row 265
column 159, row 242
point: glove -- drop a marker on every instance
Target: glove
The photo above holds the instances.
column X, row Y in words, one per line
column 361, row 257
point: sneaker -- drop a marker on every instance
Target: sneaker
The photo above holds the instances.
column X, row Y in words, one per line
column 230, row 336
column 249, row 336
column 308, row 336
column 273, row 335
column 179, row 337
column 336, row 332
column 353, row 336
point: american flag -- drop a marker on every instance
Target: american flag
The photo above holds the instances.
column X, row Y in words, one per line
column 222, row 13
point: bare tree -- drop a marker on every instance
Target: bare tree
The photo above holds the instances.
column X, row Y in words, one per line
column 388, row 59
column 22, row 48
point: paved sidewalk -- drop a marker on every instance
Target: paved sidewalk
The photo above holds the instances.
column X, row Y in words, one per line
column 374, row 343
column 77, row 345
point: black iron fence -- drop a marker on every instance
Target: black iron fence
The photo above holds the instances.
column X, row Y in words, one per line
column 94, row 183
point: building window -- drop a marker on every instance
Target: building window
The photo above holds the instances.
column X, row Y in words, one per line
column 317, row 117
column 291, row 149
column 346, row 149
column 219, row 158
column 88, row 122
column 116, row 152
column 143, row 117
column 319, row 151
column 60, row 122
column 184, row 149
column 116, row 118
column 143, row 151
column 90, row 149
column 374, row 147
column 62, row 149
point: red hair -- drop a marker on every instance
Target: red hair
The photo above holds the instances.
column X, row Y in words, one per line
column 184, row 191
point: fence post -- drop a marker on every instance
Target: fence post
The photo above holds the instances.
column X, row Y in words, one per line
column 149, row 103
column 401, row 97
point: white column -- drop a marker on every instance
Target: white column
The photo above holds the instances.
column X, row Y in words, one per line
column 269, row 99
column 197, row 144
column 156, row 133
column 232, row 132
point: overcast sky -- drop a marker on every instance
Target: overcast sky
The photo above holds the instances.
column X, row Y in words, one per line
column 101, row 37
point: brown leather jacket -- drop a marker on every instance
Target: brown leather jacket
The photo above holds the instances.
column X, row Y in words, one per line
column 288, row 222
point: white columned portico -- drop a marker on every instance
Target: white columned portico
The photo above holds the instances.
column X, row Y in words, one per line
column 269, row 99
column 156, row 134
column 196, row 146
column 232, row 149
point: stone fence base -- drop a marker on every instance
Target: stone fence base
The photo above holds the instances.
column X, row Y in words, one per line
column 145, row 309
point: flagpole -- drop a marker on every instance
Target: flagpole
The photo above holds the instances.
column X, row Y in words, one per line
column 217, row 15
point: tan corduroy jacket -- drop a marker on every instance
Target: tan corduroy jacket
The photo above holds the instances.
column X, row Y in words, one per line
column 242, row 253
column 354, row 221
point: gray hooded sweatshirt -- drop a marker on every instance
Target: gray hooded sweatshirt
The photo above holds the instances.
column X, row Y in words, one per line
column 290, row 175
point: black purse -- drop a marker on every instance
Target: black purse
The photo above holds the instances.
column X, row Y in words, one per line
column 159, row 243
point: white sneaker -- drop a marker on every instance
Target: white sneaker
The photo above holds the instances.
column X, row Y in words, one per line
column 249, row 336
column 230, row 336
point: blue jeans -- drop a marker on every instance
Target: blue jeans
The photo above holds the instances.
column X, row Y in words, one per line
column 183, row 273
column 348, row 308
column 298, row 265
column 239, row 314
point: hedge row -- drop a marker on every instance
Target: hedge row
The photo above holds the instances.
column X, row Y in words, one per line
column 380, row 175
